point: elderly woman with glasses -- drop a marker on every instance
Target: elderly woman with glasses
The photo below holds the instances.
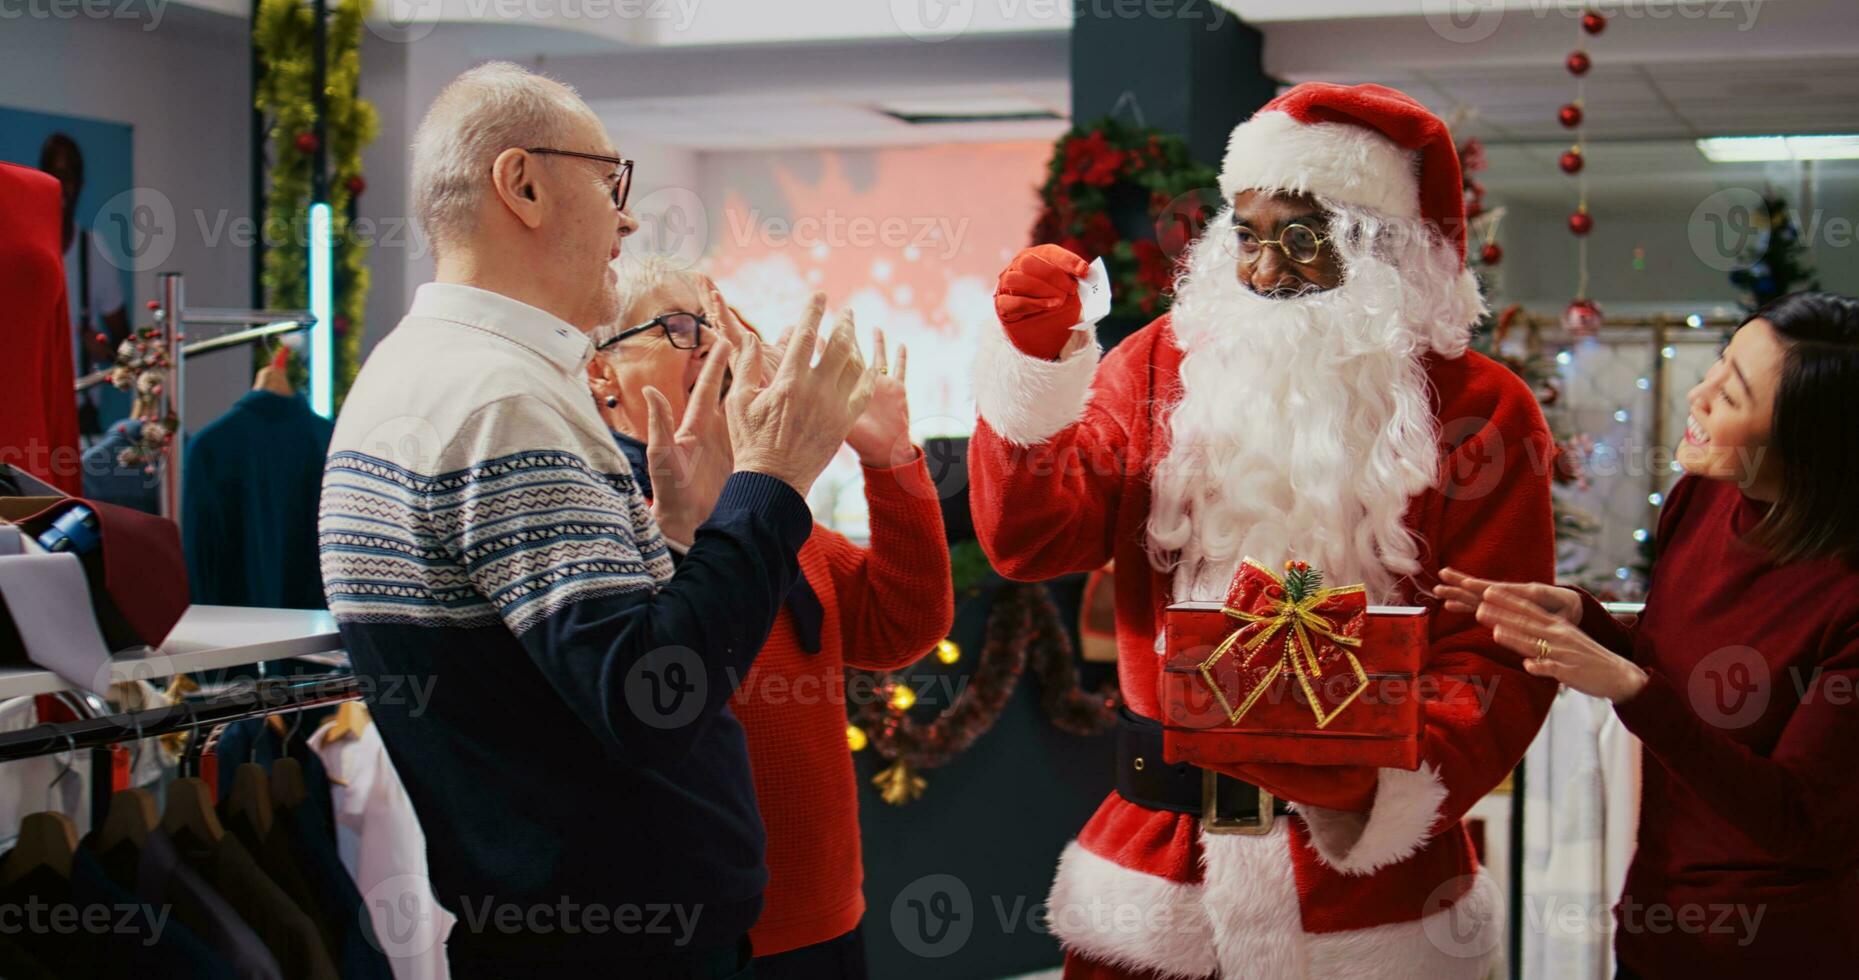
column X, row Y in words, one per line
column 878, row 607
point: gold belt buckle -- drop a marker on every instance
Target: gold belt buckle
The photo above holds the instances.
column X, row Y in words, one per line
column 1213, row 823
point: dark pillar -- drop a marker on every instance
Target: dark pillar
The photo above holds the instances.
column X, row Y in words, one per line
column 1191, row 67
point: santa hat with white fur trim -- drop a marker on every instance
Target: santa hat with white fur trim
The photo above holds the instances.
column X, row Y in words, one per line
column 1363, row 145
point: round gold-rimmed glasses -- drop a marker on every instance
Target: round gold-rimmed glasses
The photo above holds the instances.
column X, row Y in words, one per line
column 1299, row 243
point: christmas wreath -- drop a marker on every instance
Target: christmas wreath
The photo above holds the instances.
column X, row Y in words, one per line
column 1131, row 196
column 1023, row 625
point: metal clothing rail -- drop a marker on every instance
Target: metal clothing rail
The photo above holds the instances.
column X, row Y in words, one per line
column 172, row 317
column 259, row 699
column 276, row 323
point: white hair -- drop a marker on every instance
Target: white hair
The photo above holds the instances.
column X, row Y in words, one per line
column 1304, row 425
column 639, row 277
column 481, row 113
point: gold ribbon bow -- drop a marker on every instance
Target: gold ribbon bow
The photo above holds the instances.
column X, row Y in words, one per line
column 1297, row 608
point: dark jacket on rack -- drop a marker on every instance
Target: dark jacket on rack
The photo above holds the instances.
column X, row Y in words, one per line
column 250, row 487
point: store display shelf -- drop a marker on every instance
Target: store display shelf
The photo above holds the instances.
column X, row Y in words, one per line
column 206, row 638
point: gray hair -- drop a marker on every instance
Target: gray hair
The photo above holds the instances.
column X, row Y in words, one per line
column 482, row 113
column 640, row 277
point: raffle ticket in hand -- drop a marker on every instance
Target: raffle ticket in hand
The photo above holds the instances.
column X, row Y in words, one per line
column 1094, row 293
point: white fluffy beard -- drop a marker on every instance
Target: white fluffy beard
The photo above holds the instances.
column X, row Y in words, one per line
column 1304, row 427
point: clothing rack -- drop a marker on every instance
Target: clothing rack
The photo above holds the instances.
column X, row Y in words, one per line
column 99, row 731
column 1514, row 924
column 173, row 317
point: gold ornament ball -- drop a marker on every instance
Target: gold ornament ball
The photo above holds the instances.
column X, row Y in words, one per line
column 902, row 697
column 856, row 738
column 948, row 652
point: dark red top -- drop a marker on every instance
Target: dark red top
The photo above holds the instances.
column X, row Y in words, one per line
column 38, row 411
column 1748, row 860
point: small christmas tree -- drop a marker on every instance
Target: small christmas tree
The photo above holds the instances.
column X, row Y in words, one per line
column 1779, row 262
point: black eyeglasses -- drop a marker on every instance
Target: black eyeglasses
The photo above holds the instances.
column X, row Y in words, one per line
column 685, row 331
column 622, row 181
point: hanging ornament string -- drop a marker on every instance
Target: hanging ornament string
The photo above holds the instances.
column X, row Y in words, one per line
column 1582, row 318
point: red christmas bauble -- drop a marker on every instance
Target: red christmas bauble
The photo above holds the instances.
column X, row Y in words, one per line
column 1569, row 116
column 1491, row 254
column 154, row 304
column 1571, row 162
column 1582, row 318
column 306, row 143
column 1593, row 22
column 356, row 185
column 1581, row 223
column 1578, row 63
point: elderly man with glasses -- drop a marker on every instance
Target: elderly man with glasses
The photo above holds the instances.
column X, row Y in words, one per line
column 583, row 785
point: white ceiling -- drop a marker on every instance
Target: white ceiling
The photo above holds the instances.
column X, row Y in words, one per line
column 748, row 74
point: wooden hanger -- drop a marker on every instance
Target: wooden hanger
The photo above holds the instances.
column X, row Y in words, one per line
column 133, row 814
column 350, row 721
column 275, row 376
column 287, row 786
column 251, row 797
column 190, row 811
column 46, row 839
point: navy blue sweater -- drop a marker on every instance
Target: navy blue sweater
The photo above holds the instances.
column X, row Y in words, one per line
column 249, row 504
column 554, row 696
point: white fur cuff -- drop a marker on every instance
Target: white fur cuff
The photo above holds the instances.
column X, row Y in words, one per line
column 1029, row 399
column 1400, row 820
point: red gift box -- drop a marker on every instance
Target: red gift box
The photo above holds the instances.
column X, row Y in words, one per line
column 1285, row 671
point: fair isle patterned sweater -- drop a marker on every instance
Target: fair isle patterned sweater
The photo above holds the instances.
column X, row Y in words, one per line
column 554, row 696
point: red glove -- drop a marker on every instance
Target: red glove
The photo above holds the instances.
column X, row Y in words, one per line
column 1037, row 299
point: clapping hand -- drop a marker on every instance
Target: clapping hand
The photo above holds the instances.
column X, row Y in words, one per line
column 881, row 436
column 788, row 424
column 690, row 463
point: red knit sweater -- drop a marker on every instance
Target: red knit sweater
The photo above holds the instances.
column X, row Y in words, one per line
column 1749, row 820
column 885, row 607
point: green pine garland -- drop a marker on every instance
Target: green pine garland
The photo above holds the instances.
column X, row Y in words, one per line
column 284, row 32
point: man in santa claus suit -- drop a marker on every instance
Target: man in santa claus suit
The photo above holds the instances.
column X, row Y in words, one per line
column 1310, row 397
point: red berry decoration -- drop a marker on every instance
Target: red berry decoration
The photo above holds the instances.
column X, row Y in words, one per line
column 1571, row 162
column 1491, row 254
column 1593, row 22
column 306, row 143
column 356, row 185
column 1569, row 116
column 154, row 304
column 1580, row 223
column 1578, row 63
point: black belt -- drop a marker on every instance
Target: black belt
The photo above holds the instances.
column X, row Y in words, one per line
column 1225, row 805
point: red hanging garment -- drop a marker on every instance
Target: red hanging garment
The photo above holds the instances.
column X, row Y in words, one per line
column 38, row 411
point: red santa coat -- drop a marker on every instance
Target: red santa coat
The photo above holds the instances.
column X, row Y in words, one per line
column 1060, row 468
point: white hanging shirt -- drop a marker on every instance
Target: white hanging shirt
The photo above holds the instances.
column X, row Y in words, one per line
column 384, row 849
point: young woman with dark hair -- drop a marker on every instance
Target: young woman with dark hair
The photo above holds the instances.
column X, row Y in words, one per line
column 1741, row 679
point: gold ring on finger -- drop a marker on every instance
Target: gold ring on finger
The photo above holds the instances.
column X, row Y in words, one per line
column 1542, row 649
